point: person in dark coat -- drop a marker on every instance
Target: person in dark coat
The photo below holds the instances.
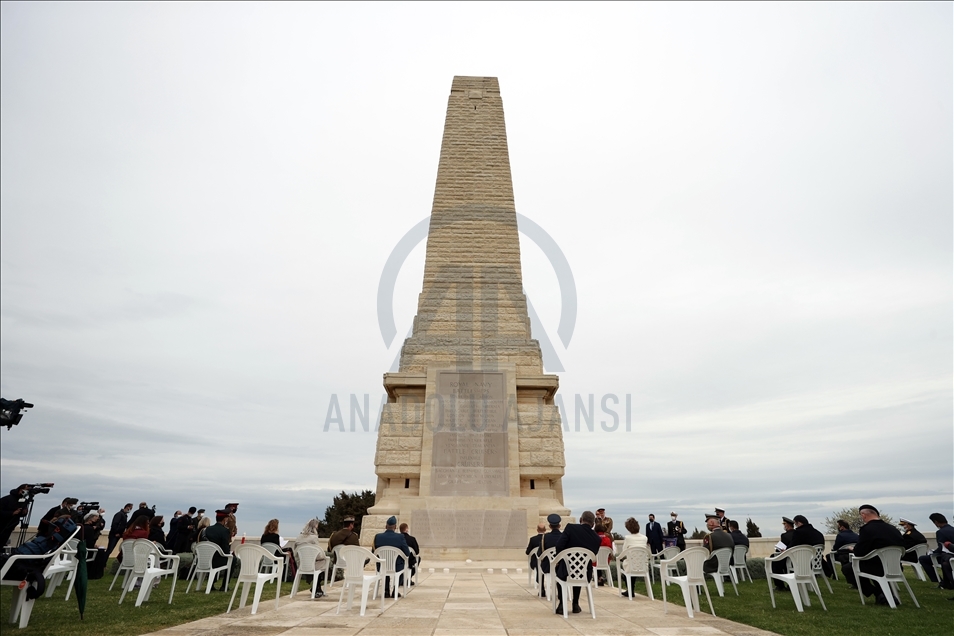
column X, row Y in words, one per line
column 945, row 539
column 576, row 535
column 412, row 544
column 805, row 534
column 737, row 537
column 911, row 538
column 874, row 534
column 715, row 540
column 392, row 539
column 156, row 535
column 185, row 532
column 11, row 511
column 65, row 508
column 677, row 529
column 534, row 545
column 117, row 527
column 550, row 540
column 845, row 536
column 222, row 537
column 654, row 535
column 781, row 567
column 143, row 510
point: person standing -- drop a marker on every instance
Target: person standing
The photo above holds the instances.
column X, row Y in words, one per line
column 677, row 529
column 654, row 535
column 723, row 520
column 576, row 535
column 185, row 532
column 117, row 527
column 874, row 534
column 12, row 509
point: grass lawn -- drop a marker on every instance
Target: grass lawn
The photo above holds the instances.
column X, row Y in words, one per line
column 104, row 615
column 845, row 616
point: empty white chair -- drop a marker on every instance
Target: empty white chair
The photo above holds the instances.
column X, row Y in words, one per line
column 633, row 563
column 334, row 564
column 21, row 608
column 919, row 551
column 818, row 568
column 547, row 556
column 602, row 563
column 125, row 548
column 723, row 556
column 149, row 564
column 694, row 558
column 306, row 555
column 205, row 553
column 800, row 579
column 893, row 574
column 389, row 558
column 352, row 559
column 251, row 557
column 739, row 568
column 578, row 562
column 666, row 555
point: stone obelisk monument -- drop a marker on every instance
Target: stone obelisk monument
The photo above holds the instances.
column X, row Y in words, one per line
column 470, row 445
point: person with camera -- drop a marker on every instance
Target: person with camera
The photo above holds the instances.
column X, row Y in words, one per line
column 66, row 508
column 12, row 509
column 118, row 527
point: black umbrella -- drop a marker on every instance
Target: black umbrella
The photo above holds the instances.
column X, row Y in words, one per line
column 81, row 582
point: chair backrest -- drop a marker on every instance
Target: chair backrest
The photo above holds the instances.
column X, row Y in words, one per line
column 801, row 558
column 142, row 550
column 390, row 555
column 739, row 554
column 55, row 555
column 668, row 553
column 634, row 560
column 891, row 560
column 306, row 555
column 694, row 558
column 354, row 557
column 723, row 556
column 577, row 562
column 126, row 548
column 603, row 557
column 251, row 557
column 274, row 548
column 819, row 556
column 919, row 550
column 204, row 551
column 547, row 555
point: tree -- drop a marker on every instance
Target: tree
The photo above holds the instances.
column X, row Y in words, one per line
column 347, row 505
column 751, row 530
column 852, row 516
column 698, row 534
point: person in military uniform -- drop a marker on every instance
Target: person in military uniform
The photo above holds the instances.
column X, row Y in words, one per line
column 676, row 528
column 912, row 537
column 550, row 540
column 874, row 534
column 723, row 520
column 715, row 540
column 345, row 536
column 392, row 539
column 220, row 535
column 606, row 521
column 781, row 567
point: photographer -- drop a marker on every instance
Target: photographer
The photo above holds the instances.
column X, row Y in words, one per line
column 58, row 511
column 12, row 509
column 117, row 528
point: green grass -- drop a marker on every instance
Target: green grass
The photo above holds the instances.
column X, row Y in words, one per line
column 845, row 616
column 104, row 615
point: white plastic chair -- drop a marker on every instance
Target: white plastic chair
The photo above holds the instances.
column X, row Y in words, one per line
column 919, row 551
column 21, row 608
column 602, row 564
column 817, row 568
column 389, row 557
column 306, row 555
column 689, row 583
column 417, row 566
column 352, row 560
column 578, row 562
column 533, row 573
column 800, row 579
column 549, row 556
column 149, row 564
column 633, row 563
column 893, row 574
column 205, row 553
column 251, row 558
column 334, row 564
column 62, row 566
column 666, row 555
column 125, row 548
column 739, row 566
column 723, row 556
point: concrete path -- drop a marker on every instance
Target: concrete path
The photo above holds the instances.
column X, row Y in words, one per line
column 463, row 603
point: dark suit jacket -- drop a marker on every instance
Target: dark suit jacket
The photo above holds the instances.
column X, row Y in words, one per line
column 739, row 539
column 577, row 535
column 844, row 537
column 873, row 535
column 395, row 540
column 220, row 536
column 677, row 529
column 806, row 535
column 550, row 540
column 787, row 538
column 533, row 549
column 412, row 543
column 654, row 535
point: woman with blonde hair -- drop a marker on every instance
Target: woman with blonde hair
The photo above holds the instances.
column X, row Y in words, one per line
column 202, row 526
column 309, row 536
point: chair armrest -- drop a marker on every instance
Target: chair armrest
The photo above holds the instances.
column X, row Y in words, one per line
column 871, row 555
column 16, row 557
column 781, row 556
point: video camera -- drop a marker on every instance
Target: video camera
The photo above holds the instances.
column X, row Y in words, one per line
column 84, row 507
column 10, row 414
column 32, row 490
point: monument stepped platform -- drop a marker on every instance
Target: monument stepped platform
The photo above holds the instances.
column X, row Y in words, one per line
column 463, row 603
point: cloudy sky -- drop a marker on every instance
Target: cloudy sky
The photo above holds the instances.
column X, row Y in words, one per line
column 755, row 202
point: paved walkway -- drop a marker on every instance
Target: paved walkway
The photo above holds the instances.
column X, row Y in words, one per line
column 462, row 603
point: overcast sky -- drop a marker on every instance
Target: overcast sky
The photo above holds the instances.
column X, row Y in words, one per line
column 755, row 202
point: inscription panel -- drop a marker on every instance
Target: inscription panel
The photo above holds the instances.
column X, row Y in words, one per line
column 470, row 446
column 470, row 528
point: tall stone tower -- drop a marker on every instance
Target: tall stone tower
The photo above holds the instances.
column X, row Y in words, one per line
column 470, row 445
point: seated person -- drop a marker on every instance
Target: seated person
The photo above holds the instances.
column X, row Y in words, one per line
column 534, row 545
column 156, row 535
column 715, row 540
column 634, row 540
column 874, row 534
column 395, row 540
column 309, row 536
column 911, row 538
